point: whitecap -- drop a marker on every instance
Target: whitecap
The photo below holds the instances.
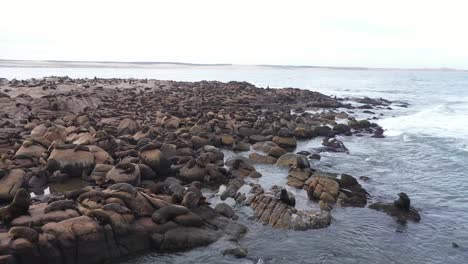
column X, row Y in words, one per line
column 439, row 121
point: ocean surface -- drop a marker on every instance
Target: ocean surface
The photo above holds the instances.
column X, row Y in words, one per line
column 425, row 154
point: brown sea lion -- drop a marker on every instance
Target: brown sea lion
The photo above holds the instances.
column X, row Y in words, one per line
column 23, row 232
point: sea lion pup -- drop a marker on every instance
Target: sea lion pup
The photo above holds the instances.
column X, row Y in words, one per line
column 127, row 167
column 23, row 232
column 60, row 205
column 168, row 213
column 19, row 206
column 403, row 202
column 287, row 198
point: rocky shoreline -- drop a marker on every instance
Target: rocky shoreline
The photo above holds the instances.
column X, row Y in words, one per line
column 144, row 151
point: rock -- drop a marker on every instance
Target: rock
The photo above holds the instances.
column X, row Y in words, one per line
column 334, row 145
column 224, row 210
column 399, row 214
column 241, row 146
column 128, row 127
column 71, row 161
column 274, row 212
column 354, row 194
column 285, row 142
column 324, row 131
column 262, row 158
column 156, row 160
column 341, row 129
column 11, row 183
column 232, row 188
column 227, row 140
column 238, row 252
column 264, row 146
column 125, row 173
column 190, row 174
column 291, row 159
column 276, row 152
column 323, row 188
column 34, row 150
column 359, row 124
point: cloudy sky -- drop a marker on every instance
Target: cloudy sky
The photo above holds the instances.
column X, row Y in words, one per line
column 368, row 33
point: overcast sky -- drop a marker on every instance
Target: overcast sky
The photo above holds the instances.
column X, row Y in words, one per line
column 368, row 33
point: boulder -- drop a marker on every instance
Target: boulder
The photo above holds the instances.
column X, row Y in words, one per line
column 71, row 161
column 285, row 142
column 127, row 127
column 324, row 189
column 291, row 159
column 11, row 183
column 262, row 158
column 125, row 173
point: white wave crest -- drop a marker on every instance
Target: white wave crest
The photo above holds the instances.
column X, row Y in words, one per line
column 440, row 121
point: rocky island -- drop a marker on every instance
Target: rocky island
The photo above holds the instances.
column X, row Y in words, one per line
column 95, row 169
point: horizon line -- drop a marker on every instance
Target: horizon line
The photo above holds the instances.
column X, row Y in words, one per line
column 222, row 65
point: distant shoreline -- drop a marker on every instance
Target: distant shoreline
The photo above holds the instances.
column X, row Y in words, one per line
column 115, row 64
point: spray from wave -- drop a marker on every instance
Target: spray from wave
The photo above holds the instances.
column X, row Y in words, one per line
column 444, row 120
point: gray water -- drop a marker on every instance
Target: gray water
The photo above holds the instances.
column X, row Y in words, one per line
column 425, row 154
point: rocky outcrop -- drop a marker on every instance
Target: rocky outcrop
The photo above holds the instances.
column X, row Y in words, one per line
column 270, row 209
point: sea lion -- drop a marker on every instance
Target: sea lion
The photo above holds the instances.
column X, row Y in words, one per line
column 93, row 195
column 403, row 202
column 65, row 146
column 116, row 208
column 100, row 216
column 60, row 205
column 127, row 167
column 124, row 187
column 191, row 199
column 150, row 146
column 19, row 206
column 81, row 148
column 74, row 194
column 23, row 232
column 189, row 219
column 168, row 213
column 287, row 198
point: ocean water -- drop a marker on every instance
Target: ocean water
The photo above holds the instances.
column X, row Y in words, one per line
column 425, row 154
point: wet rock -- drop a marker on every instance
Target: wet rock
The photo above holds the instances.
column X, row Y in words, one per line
column 285, row 142
column 262, row 158
column 238, row 252
column 272, row 211
column 399, row 214
column 224, row 210
column 341, row 129
column 324, row 189
column 73, row 161
column 291, row 159
column 359, row 124
column 276, row 152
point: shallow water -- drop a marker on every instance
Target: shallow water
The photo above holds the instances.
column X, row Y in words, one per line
column 425, row 154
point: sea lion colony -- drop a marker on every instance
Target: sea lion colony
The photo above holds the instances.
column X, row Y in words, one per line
column 146, row 148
